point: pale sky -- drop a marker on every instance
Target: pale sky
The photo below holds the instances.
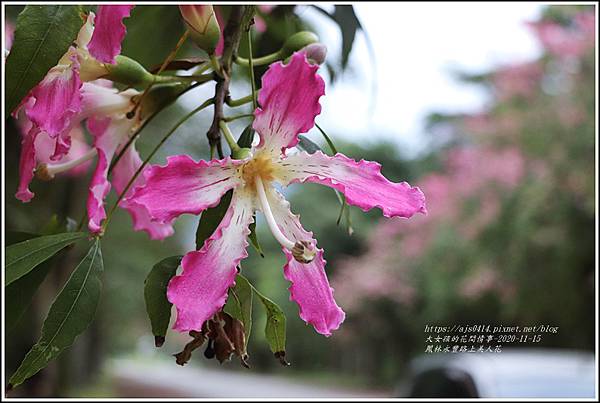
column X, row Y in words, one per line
column 417, row 45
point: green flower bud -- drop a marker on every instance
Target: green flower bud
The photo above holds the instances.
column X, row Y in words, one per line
column 128, row 71
column 296, row 42
column 202, row 23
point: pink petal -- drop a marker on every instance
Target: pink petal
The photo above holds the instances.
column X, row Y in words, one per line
column 201, row 290
column 45, row 149
column 289, row 103
column 57, row 100
column 259, row 23
column 122, row 174
column 361, row 182
column 109, row 32
column 222, row 23
column 107, row 136
column 100, row 99
column 310, row 288
column 184, row 186
column 27, row 164
column 9, row 34
column 62, row 145
column 79, row 147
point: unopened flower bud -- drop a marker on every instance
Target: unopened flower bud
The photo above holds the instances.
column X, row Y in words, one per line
column 203, row 25
column 298, row 41
column 315, row 52
column 128, row 71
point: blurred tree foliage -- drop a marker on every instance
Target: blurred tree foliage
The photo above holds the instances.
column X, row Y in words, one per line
column 509, row 238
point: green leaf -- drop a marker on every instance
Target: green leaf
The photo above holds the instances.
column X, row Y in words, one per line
column 155, row 295
column 20, row 293
column 246, row 137
column 305, row 144
column 152, row 32
column 275, row 327
column 349, row 24
column 24, row 256
column 254, row 238
column 70, row 314
column 239, row 303
column 348, row 21
column 210, row 219
column 13, row 237
column 42, row 36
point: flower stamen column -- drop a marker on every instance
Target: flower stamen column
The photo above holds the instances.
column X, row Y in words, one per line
column 303, row 251
column 48, row 171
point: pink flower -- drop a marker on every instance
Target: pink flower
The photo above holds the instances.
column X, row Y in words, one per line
column 259, row 22
column 517, row 80
column 57, row 99
column 289, row 101
column 105, row 110
column 9, row 35
column 112, row 129
column 109, row 32
column 563, row 41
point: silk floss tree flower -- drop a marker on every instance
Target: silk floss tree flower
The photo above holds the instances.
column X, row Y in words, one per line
column 112, row 132
column 51, row 120
column 105, row 111
column 54, row 104
column 289, row 103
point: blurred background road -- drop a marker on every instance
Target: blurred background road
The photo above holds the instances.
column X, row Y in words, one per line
column 131, row 378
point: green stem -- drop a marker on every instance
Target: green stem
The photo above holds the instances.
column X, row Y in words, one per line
column 81, row 221
column 216, row 66
column 141, row 168
column 201, row 78
column 228, row 136
column 327, row 139
column 203, row 67
column 236, row 117
column 340, row 196
column 260, row 61
column 239, row 101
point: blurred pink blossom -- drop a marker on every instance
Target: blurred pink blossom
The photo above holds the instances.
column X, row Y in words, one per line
column 9, row 34
column 572, row 41
column 394, row 246
column 259, row 22
column 517, row 80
